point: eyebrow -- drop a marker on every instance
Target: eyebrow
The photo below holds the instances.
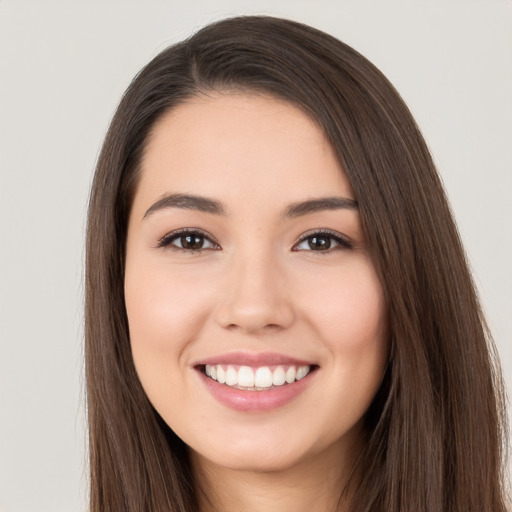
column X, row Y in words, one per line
column 316, row 205
column 207, row 205
column 187, row 202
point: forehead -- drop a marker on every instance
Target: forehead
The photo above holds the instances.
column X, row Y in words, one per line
column 240, row 146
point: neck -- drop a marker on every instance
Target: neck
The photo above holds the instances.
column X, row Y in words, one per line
column 318, row 484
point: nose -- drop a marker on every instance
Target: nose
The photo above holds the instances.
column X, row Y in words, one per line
column 255, row 297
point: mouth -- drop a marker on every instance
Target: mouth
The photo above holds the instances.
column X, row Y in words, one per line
column 260, row 378
column 255, row 383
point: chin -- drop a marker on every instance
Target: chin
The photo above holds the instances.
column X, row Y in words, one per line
column 254, row 461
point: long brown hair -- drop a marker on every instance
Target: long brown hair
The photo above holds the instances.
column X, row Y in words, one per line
column 435, row 431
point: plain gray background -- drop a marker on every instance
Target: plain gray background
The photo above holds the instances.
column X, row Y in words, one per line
column 63, row 68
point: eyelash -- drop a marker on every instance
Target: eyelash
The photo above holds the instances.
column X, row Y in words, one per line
column 167, row 240
column 341, row 241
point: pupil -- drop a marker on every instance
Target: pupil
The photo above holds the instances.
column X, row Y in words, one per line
column 192, row 241
column 321, row 243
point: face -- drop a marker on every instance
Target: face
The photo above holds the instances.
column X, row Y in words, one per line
column 257, row 321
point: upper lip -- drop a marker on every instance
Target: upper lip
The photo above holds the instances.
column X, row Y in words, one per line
column 253, row 359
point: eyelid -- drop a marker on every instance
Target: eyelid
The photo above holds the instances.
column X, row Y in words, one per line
column 343, row 241
column 166, row 240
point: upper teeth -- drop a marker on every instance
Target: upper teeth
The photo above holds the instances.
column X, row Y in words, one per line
column 262, row 377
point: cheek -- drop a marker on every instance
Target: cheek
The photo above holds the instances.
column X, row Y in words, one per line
column 348, row 310
column 353, row 326
column 164, row 313
column 349, row 315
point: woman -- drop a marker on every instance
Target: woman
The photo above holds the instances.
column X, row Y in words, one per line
column 278, row 311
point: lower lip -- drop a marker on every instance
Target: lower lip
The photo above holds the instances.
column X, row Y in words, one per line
column 256, row 401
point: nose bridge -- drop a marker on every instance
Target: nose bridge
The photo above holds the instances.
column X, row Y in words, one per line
column 255, row 294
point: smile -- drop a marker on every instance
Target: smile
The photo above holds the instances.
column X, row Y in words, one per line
column 262, row 378
column 255, row 383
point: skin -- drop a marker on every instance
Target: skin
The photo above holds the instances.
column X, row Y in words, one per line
column 257, row 287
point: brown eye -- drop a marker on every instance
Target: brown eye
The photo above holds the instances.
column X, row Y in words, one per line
column 319, row 242
column 323, row 242
column 193, row 242
column 188, row 241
